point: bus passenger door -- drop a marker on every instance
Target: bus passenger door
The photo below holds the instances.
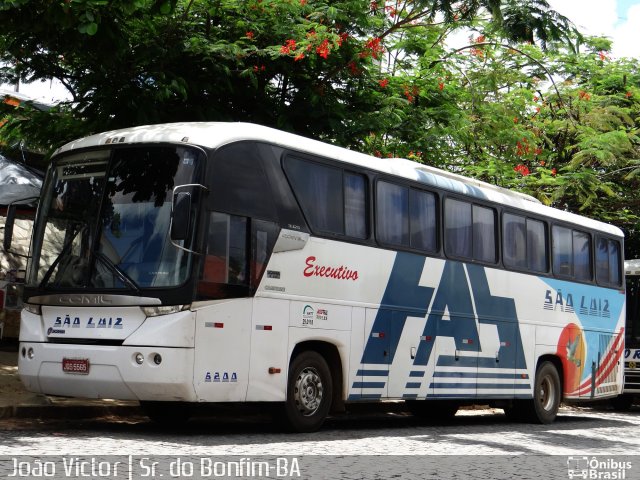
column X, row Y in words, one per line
column 223, row 333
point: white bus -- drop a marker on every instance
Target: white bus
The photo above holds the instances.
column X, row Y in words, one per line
column 228, row 262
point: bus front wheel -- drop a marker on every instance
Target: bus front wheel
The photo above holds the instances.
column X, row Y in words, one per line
column 309, row 392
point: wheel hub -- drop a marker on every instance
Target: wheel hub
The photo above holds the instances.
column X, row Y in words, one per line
column 547, row 394
column 308, row 391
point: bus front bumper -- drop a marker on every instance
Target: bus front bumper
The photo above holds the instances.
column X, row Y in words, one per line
column 118, row 372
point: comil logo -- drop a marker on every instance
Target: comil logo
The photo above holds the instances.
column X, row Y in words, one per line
column 597, row 468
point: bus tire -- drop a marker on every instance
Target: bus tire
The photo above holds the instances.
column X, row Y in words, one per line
column 167, row 413
column 309, row 393
column 432, row 409
column 547, row 393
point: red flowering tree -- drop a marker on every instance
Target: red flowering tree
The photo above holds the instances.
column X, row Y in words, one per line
column 308, row 66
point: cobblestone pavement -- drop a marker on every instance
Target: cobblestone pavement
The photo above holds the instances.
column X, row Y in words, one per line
column 577, row 431
column 477, row 444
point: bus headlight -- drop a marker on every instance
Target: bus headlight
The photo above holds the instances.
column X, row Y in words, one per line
column 164, row 310
column 31, row 308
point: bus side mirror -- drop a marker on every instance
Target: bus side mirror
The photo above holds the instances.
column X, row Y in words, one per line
column 8, row 227
column 181, row 216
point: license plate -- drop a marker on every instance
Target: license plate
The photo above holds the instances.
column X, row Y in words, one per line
column 76, row 365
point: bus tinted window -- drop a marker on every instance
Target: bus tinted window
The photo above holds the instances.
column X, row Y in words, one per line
column 615, row 260
column 332, row 200
column 470, row 231
column 319, row 191
column 562, row 251
column 524, row 243
column 393, row 214
column 240, row 183
column 514, row 241
column 537, row 255
column 571, row 253
column 484, row 234
column 355, row 205
column 608, row 262
column 226, row 254
column 407, row 217
column 581, row 256
column 458, row 228
column 423, row 213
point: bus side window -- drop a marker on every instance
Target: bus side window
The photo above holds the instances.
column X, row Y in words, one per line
column 470, row 231
column 458, row 228
column 515, row 241
column 226, row 252
column 571, row 253
column 537, row 256
column 608, row 262
column 263, row 238
column 422, row 220
column 524, row 243
column 562, row 251
column 392, row 214
column 484, row 234
column 582, row 256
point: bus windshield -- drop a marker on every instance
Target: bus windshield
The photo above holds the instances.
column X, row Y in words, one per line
column 105, row 220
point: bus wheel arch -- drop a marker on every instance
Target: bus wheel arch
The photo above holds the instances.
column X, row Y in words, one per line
column 314, row 383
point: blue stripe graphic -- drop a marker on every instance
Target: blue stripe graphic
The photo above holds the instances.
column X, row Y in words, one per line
column 506, row 386
column 416, row 374
column 372, row 373
column 480, row 396
column 364, row 396
column 369, row 384
column 518, row 376
column 480, row 362
column 413, row 385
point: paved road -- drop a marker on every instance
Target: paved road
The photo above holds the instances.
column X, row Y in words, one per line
column 576, row 432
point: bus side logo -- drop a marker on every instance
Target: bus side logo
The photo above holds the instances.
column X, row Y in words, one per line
column 466, row 301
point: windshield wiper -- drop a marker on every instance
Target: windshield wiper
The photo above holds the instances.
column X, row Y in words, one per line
column 123, row 277
column 63, row 254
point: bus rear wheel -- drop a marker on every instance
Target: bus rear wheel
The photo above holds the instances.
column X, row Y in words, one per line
column 309, row 393
column 547, row 393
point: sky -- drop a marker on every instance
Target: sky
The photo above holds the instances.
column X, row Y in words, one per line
column 616, row 19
